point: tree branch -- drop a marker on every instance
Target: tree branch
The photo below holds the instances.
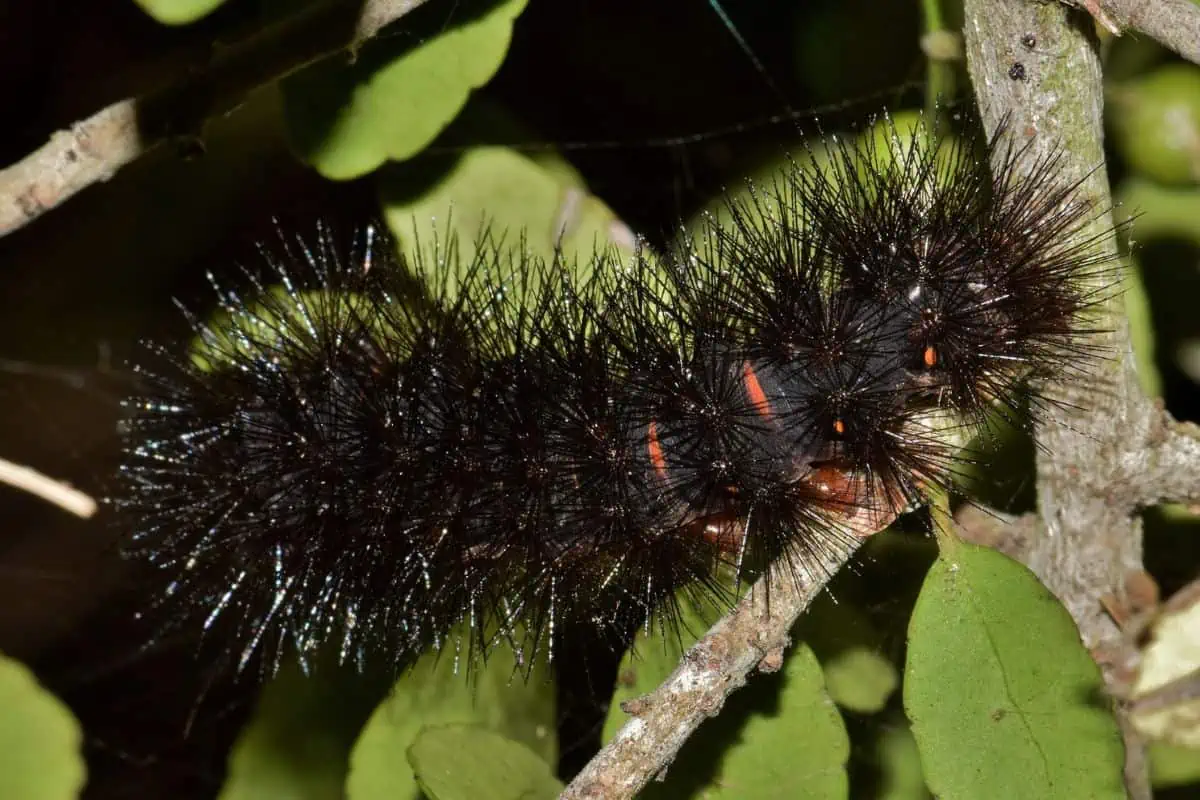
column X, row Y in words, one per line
column 1098, row 424
column 1106, row 450
column 94, row 149
column 754, row 634
column 66, row 497
column 1173, row 23
column 1168, row 470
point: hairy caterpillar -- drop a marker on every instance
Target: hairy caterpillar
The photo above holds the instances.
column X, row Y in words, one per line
column 356, row 466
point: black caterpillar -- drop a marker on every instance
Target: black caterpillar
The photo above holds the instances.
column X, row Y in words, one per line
column 359, row 467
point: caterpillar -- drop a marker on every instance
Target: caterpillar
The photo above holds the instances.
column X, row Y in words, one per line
column 519, row 444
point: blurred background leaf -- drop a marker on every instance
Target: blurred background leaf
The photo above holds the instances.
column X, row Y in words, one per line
column 436, row 691
column 465, row 762
column 178, row 12
column 40, row 756
column 400, row 91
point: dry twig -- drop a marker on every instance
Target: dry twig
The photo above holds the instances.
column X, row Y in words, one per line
column 29, row 480
column 1174, row 23
column 752, row 635
column 94, row 149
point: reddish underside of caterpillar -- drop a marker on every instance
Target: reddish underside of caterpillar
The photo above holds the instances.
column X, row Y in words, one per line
column 833, row 485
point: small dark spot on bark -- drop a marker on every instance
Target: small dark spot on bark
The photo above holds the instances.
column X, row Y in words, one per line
column 29, row 204
column 1029, row 41
column 1017, row 71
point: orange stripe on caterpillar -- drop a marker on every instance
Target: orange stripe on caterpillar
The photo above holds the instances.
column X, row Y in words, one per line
column 758, row 398
column 654, row 447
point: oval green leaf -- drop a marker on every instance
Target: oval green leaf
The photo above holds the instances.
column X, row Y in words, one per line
column 1156, row 123
column 39, row 739
column 507, row 193
column 519, row 202
column 857, row 675
column 780, row 737
column 297, row 745
column 346, row 119
column 1004, row 699
column 860, row 679
column 466, row 762
column 178, row 12
column 1161, row 211
column 436, row 692
column 1173, row 765
column 899, row 761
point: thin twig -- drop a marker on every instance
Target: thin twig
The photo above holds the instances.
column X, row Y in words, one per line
column 754, row 634
column 1174, row 23
column 94, row 149
column 29, row 480
column 1099, row 13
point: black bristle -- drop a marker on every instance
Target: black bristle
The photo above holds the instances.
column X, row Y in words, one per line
column 353, row 464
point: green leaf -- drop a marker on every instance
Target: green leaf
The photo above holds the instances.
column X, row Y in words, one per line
column 297, row 745
column 1155, row 124
column 346, row 119
column 780, row 737
column 860, row 679
column 521, row 200
column 466, row 762
column 508, row 194
column 1173, row 765
column 178, row 12
column 39, row 739
column 900, row 765
column 265, row 325
column 1004, row 699
column 1162, row 211
column 436, row 692
column 857, row 675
